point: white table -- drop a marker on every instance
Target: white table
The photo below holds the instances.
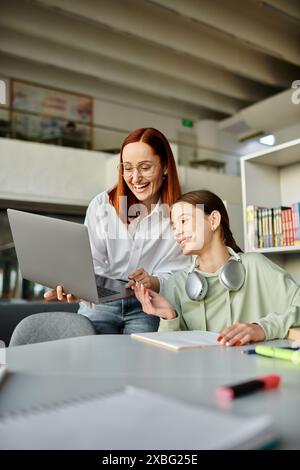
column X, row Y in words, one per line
column 46, row 373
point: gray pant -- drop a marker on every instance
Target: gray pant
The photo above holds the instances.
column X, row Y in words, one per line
column 120, row 316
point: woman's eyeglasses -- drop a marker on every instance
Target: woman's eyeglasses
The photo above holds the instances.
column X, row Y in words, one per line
column 143, row 169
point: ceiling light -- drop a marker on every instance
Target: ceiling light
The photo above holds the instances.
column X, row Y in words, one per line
column 267, row 140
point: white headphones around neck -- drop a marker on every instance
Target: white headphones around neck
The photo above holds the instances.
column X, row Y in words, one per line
column 231, row 277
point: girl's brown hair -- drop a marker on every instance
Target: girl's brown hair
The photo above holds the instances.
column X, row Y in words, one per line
column 211, row 202
column 170, row 190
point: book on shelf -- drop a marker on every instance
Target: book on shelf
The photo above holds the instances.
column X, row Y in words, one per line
column 252, row 226
column 179, row 339
column 296, row 219
column 294, row 333
column 269, row 227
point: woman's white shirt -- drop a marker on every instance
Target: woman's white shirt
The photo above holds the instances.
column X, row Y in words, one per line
column 119, row 249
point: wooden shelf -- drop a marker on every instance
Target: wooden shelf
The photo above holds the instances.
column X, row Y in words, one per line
column 278, row 156
column 278, row 250
column 271, row 178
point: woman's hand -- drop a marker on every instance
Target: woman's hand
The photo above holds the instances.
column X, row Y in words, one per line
column 241, row 333
column 153, row 303
column 140, row 275
column 58, row 294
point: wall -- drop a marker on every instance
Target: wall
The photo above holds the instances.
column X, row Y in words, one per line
column 113, row 106
column 47, row 173
column 288, row 133
column 228, row 187
column 127, row 109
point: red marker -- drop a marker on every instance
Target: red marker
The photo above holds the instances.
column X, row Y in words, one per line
column 266, row 382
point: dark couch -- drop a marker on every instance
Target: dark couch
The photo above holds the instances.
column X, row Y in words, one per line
column 11, row 313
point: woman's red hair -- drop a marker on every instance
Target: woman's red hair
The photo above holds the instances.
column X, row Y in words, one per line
column 170, row 190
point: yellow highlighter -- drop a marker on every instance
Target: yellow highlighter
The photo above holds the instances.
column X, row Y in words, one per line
column 279, row 353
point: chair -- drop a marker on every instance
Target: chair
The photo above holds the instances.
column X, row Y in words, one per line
column 49, row 326
column 14, row 310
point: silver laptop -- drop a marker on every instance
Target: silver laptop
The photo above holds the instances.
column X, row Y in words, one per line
column 56, row 252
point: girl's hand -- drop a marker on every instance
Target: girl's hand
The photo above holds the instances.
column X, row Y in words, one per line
column 58, row 294
column 241, row 333
column 141, row 276
column 153, row 303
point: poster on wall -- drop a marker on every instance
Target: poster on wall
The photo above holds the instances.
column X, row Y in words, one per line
column 52, row 116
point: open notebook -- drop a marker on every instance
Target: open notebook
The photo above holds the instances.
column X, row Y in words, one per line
column 179, row 339
column 133, row 419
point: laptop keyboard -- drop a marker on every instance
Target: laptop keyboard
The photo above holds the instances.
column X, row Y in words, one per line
column 104, row 292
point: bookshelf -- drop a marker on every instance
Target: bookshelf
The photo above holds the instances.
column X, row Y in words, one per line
column 271, row 178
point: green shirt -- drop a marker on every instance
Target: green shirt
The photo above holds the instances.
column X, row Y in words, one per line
column 269, row 297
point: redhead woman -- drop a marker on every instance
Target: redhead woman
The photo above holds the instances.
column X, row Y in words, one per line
column 130, row 234
column 243, row 297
